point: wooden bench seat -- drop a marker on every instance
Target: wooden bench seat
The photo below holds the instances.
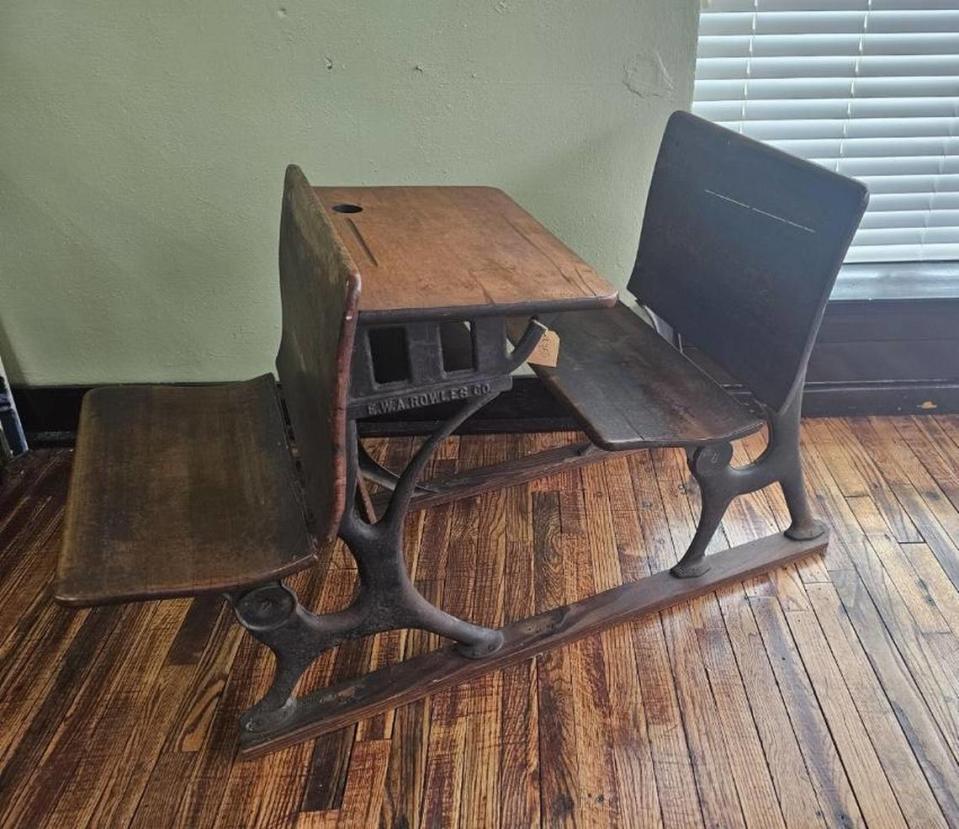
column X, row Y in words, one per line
column 179, row 490
column 631, row 389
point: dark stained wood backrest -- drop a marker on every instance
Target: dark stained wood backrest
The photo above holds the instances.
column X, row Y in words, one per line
column 740, row 248
column 320, row 289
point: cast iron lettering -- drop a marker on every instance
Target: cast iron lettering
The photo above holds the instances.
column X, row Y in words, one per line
column 427, row 398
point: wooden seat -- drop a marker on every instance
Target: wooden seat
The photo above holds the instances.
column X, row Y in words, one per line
column 179, row 490
column 739, row 250
column 632, row 389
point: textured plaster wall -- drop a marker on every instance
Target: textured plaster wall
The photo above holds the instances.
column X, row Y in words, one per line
column 142, row 148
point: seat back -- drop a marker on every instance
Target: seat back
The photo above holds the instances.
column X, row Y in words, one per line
column 319, row 289
column 740, row 247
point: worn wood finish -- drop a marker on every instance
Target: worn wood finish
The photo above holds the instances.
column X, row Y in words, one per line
column 817, row 696
column 631, row 389
column 740, row 248
column 736, row 254
column 319, row 290
column 180, row 490
column 456, row 252
column 405, row 682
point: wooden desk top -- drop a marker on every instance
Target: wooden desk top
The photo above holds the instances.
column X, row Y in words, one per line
column 433, row 252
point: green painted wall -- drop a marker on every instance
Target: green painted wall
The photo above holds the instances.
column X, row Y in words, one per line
column 142, row 149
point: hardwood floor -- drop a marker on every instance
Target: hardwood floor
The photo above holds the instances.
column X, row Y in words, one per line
column 826, row 694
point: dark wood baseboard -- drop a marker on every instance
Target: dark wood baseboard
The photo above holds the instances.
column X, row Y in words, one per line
column 873, row 357
column 894, row 398
column 50, row 413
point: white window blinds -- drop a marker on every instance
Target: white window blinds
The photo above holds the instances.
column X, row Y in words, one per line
column 869, row 88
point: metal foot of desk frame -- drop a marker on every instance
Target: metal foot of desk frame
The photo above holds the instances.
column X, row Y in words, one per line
column 719, row 483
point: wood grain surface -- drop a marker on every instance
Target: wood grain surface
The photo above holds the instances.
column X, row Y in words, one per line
column 456, row 251
column 632, row 389
column 398, row 684
column 178, row 490
column 822, row 694
column 184, row 490
column 319, row 293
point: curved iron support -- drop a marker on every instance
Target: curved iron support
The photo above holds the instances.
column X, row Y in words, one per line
column 403, row 492
column 719, row 483
column 385, row 600
column 376, row 472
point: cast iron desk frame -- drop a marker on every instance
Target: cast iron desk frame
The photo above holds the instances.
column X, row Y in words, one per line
column 373, row 528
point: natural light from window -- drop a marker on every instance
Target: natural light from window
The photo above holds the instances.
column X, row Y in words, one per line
column 869, row 88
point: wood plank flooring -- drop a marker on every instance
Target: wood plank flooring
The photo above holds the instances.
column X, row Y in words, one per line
column 825, row 694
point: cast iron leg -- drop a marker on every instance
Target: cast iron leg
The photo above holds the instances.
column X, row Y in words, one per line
column 385, row 600
column 474, row 641
column 720, row 483
column 784, row 439
column 273, row 615
column 804, row 526
column 389, row 599
column 708, row 465
column 378, row 550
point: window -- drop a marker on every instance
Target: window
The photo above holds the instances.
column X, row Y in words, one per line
column 869, row 88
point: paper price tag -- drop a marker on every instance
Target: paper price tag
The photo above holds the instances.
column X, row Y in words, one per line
column 546, row 352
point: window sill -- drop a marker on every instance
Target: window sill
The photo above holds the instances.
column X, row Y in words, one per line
column 866, row 281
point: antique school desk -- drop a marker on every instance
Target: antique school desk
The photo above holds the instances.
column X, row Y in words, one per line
column 393, row 298
column 449, row 275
